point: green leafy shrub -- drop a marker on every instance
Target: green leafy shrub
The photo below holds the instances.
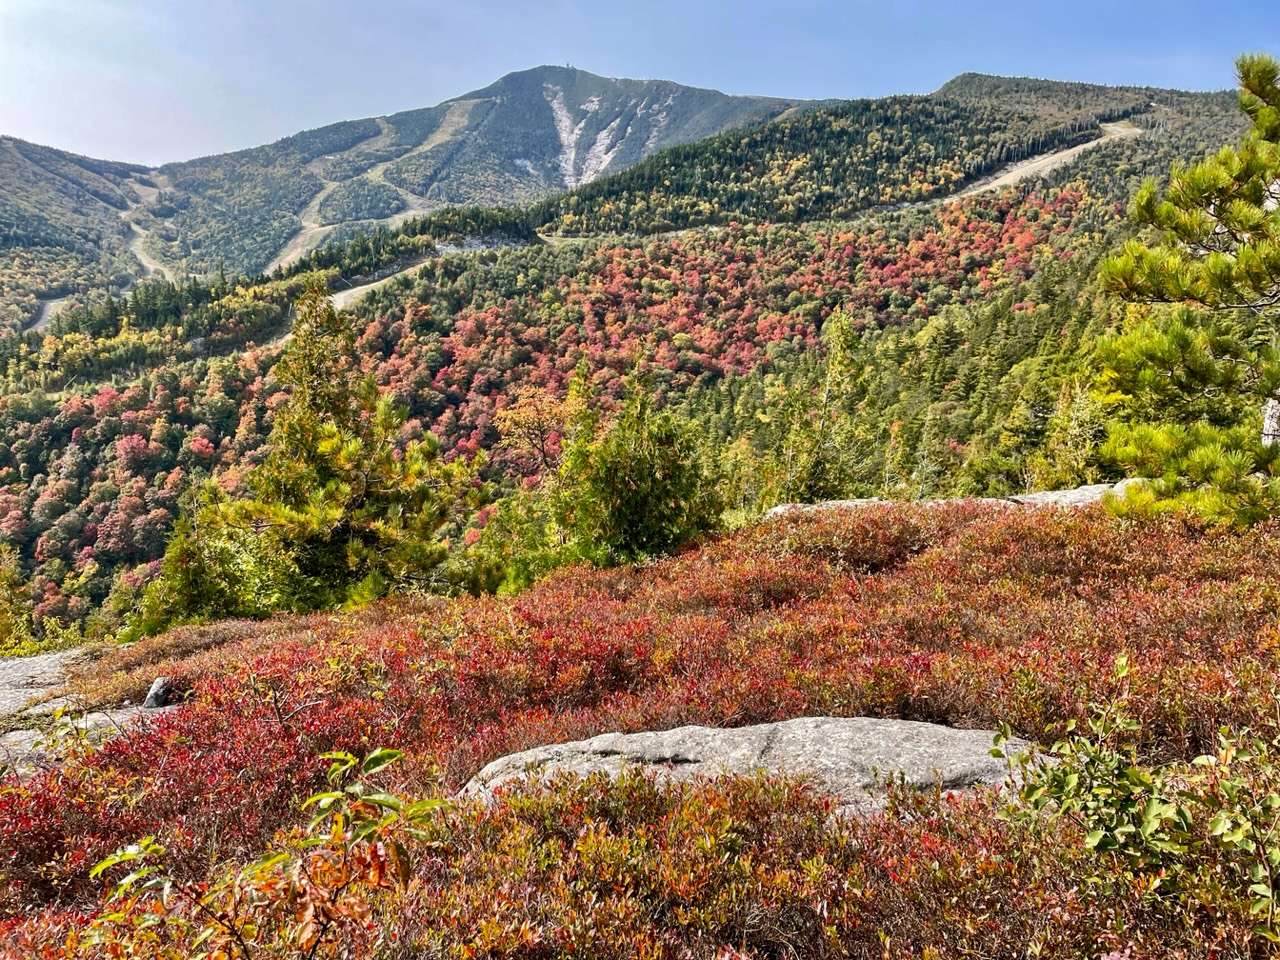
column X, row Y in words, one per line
column 1171, row 830
column 310, row 898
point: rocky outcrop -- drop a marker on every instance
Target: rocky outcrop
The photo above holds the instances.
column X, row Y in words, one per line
column 33, row 721
column 24, row 679
column 30, row 748
column 848, row 757
column 1065, row 499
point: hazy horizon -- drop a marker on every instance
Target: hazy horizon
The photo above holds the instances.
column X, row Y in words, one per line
column 152, row 82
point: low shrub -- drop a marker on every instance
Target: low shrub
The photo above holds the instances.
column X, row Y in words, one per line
column 964, row 615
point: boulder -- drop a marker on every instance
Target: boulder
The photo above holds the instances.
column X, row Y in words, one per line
column 848, row 757
column 159, row 695
column 1078, row 497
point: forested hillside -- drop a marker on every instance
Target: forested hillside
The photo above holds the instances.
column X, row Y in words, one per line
column 72, row 225
column 837, row 160
column 972, row 321
column 62, row 227
column 969, row 324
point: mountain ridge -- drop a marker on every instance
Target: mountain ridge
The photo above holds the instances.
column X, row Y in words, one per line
column 527, row 135
column 70, row 224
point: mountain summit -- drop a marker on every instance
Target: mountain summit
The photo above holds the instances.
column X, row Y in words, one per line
column 528, row 135
column 559, row 127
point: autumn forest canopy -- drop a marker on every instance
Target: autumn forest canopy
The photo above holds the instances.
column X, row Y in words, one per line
column 405, row 443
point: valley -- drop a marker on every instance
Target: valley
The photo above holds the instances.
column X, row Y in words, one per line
column 492, row 300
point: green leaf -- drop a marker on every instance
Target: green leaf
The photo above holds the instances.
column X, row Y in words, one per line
column 385, row 800
column 380, row 758
column 323, row 800
column 421, row 808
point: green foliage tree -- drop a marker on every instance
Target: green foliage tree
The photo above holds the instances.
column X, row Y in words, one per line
column 1198, row 384
column 342, row 509
column 15, row 605
column 638, row 486
column 642, row 488
column 813, row 459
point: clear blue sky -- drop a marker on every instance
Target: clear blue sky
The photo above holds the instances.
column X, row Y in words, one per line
column 156, row 80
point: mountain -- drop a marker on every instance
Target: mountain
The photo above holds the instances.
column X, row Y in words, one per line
column 971, row 312
column 63, row 226
column 836, row 160
column 528, row 135
column 591, row 154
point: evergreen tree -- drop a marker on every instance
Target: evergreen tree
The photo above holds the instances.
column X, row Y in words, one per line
column 641, row 489
column 1198, row 383
column 342, row 510
column 638, row 486
column 813, row 460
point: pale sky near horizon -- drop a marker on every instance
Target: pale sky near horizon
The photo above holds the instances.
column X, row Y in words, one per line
column 158, row 80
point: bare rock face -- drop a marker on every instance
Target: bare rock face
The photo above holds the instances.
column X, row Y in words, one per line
column 848, row 757
column 1063, row 499
column 24, row 678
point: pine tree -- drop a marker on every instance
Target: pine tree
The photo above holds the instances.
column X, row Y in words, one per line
column 1198, row 383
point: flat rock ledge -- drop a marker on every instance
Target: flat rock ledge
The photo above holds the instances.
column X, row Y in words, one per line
column 30, row 749
column 849, row 758
column 1064, row 499
column 24, row 678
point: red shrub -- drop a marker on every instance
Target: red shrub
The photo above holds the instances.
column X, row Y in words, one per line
column 963, row 615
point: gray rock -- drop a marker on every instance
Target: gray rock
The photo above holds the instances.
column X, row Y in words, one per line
column 1079, row 497
column 847, row 757
column 1065, row 499
column 1124, row 486
column 23, row 679
column 29, row 749
column 159, row 695
column 787, row 509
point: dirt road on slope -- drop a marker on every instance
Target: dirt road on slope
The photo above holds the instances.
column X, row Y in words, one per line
column 345, row 298
column 312, row 231
column 151, row 267
column 48, row 310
